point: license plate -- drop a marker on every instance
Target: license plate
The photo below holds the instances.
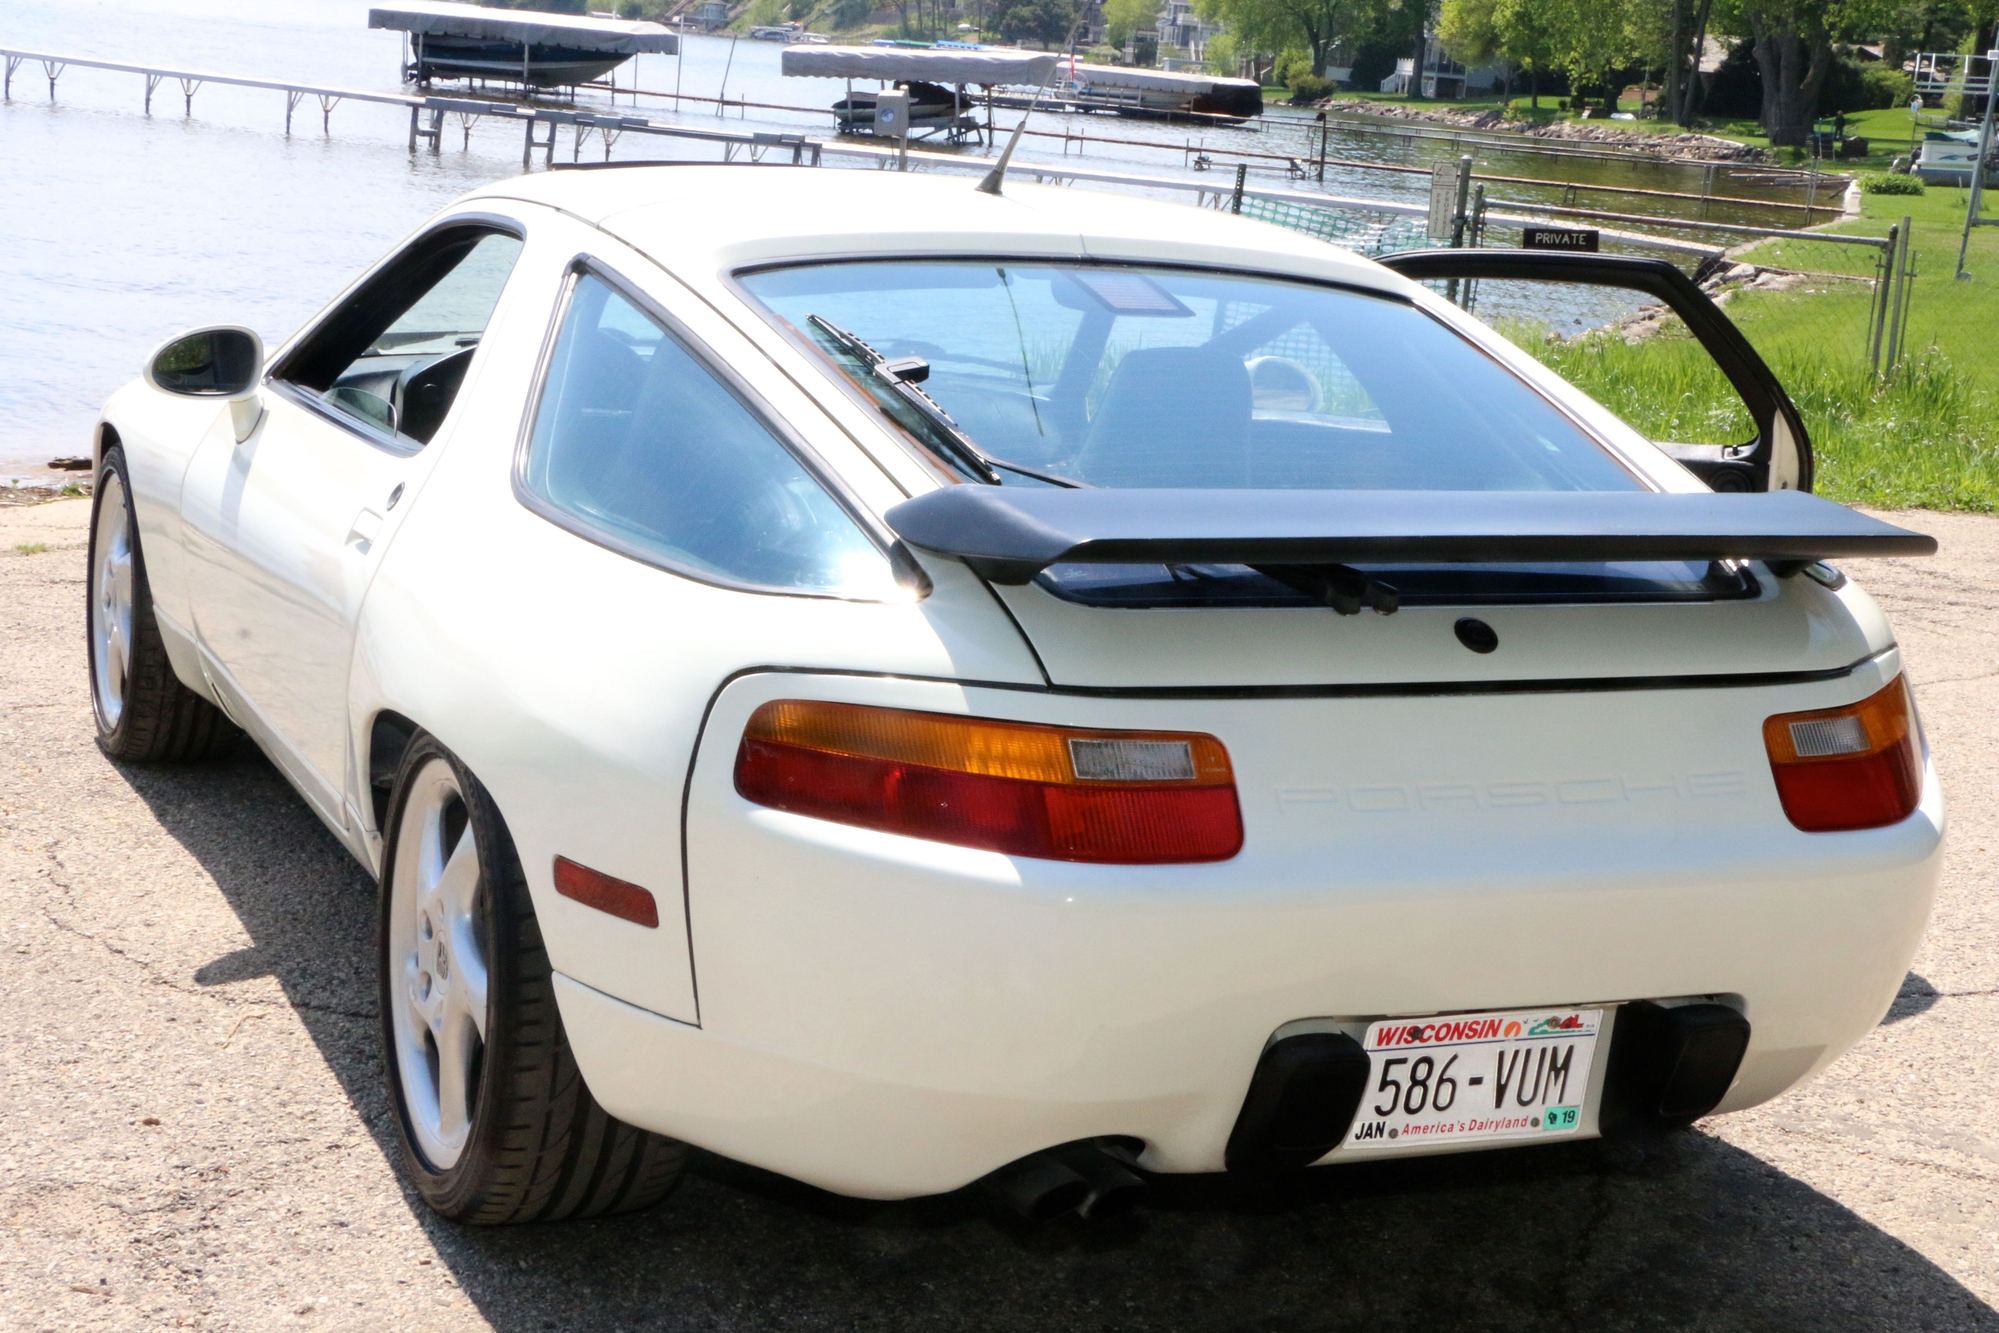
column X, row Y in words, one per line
column 1474, row 1078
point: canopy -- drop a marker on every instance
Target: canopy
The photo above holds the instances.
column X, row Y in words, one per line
column 934, row 66
column 1119, row 76
column 434, row 18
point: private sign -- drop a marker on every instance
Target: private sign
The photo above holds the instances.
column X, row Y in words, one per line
column 1559, row 238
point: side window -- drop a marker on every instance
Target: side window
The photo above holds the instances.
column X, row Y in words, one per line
column 393, row 356
column 636, row 439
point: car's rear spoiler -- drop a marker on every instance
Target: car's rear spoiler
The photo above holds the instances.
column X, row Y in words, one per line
column 1009, row 534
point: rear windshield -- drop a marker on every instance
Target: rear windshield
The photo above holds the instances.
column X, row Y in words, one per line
column 1134, row 376
column 1065, row 373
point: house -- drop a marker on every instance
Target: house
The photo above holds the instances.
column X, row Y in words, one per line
column 1179, row 25
column 1442, row 76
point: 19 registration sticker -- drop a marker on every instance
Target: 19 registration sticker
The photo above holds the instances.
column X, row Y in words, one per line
column 1461, row 1078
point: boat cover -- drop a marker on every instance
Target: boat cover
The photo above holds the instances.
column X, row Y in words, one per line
column 934, row 66
column 1011, row 533
column 434, row 18
column 1118, row 76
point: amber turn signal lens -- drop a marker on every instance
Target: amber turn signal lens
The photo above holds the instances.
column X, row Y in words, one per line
column 1062, row 793
column 1854, row 767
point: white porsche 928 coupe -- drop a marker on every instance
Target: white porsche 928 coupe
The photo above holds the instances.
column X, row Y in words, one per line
column 904, row 685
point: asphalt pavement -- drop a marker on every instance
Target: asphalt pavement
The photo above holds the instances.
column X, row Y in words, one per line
column 194, row 1129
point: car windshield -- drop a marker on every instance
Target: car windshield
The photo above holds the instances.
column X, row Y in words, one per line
column 1124, row 375
column 1031, row 373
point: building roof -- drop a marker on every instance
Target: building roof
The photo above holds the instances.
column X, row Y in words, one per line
column 436, row 18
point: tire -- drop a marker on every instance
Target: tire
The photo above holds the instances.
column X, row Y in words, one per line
column 514, row 1135
column 144, row 713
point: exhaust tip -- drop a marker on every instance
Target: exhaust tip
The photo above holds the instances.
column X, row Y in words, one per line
column 1039, row 1188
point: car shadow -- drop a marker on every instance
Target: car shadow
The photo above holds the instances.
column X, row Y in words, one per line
column 1917, row 996
column 1679, row 1232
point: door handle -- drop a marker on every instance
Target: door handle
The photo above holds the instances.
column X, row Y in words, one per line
column 366, row 527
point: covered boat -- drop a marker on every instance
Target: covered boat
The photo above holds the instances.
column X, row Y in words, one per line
column 452, row 41
column 939, row 80
column 1160, row 94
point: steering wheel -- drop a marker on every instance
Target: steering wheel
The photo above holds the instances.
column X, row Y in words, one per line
column 1279, row 384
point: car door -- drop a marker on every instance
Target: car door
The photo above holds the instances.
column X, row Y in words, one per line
column 284, row 529
column 1757, row 437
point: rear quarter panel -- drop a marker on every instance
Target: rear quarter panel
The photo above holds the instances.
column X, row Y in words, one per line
column 574, row 680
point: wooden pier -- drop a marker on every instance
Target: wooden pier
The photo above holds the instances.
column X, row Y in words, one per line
column 541, row 124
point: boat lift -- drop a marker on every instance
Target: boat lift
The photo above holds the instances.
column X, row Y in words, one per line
column 454, row 41
column 1939, row 73
column 954, row 68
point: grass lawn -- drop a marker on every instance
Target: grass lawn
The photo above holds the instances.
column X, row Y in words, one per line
column 1929, row 438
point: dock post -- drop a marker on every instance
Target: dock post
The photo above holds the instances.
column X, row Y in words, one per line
column 413, row 115
column 188, row 88
column 13, row 63
column 1322, row 147
column 54, row 69
column 326, row 105
column 293, row 97
column 1241, row 175
column 152, row 82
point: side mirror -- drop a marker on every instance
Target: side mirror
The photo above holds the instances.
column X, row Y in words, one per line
column 224, row 362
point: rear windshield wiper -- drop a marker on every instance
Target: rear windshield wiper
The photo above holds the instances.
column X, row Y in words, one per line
column 901, row 376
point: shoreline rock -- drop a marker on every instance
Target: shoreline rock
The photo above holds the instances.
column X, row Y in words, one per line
column 1686, row 144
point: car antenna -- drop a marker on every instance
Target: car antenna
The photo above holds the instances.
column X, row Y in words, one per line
column 991, row 183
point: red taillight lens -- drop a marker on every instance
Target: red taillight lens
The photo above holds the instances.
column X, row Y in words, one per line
column 1848, row 768
column 1122, row 797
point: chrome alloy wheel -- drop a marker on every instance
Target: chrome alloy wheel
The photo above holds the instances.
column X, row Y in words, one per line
column 111, row 602
column 438, row 979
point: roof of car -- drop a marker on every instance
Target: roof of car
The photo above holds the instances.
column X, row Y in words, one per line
column 710, row 217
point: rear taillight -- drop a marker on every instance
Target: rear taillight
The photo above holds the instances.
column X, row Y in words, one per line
column 1123, row 797
column 1848, row 768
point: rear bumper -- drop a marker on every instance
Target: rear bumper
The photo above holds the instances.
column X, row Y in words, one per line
column 888, row 1018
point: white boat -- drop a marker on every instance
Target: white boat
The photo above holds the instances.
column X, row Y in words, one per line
column 1947, row 157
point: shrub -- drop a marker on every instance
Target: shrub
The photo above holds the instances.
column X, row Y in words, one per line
column 1308, row 88
column 1291, row 65
column 1888, row 182
column 1885, row 87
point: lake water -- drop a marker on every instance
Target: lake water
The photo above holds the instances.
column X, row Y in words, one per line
column 118, row 229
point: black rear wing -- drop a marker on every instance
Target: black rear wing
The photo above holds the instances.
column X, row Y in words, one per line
column 1009, row 534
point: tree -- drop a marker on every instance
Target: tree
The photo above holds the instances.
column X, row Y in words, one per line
column 1122, row 18
column 1793, row 49
column 1515, row 31
column 1046, row 21
column 1273, row 25
column 1792, row 41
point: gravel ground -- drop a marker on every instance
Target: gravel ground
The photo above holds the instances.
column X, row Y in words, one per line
column 195, row 1129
